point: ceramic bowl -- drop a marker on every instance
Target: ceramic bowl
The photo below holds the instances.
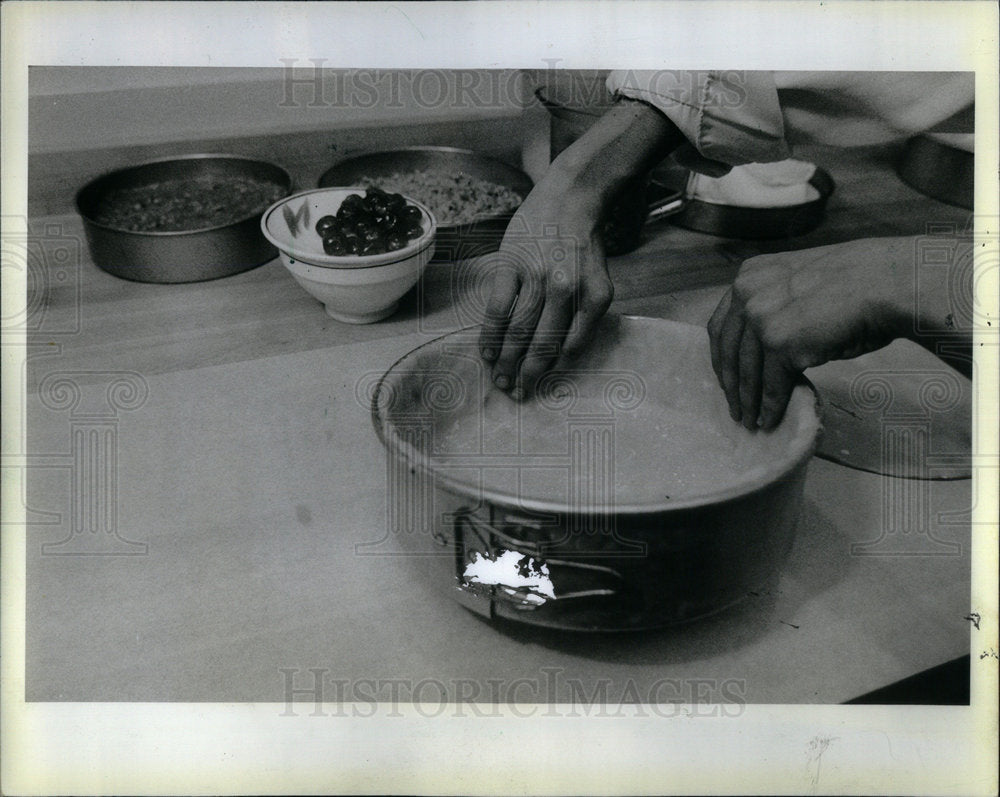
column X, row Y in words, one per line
column 355, row 289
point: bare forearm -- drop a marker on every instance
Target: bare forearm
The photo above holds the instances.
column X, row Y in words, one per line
column 624, row 143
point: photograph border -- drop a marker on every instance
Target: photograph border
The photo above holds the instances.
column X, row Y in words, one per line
column 59, row 748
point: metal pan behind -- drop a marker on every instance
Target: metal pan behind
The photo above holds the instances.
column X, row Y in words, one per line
column 730, row 221
column 454, row 241
column 185, row 255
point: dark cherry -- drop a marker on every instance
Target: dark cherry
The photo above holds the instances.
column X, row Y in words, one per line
column 335, row 245
column 325, row 224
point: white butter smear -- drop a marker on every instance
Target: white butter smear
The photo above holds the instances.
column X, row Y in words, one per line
column 514, row 570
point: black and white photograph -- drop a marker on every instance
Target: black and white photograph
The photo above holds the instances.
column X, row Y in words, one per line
column 381, row 416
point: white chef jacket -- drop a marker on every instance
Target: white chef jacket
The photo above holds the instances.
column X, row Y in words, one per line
column 735, row 117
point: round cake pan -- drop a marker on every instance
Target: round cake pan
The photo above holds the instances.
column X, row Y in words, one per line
column 730, row 221
column 454, row 241
column 622, row 498
column 179, row 256
column 941, row 166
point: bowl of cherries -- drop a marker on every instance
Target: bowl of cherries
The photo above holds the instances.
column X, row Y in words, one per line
column 356, row 250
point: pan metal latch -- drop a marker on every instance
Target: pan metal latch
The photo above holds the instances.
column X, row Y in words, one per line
column 499, row 566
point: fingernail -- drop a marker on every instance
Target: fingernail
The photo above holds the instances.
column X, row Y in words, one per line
column 502, row 381
column 517, row 394
column 489, row 354
column 760, row 421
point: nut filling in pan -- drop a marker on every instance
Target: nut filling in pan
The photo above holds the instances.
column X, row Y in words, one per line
column 185, row 204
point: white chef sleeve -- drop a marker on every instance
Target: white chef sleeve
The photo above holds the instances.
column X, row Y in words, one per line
column 732, row 117
column 851, row 109
column 740, row 117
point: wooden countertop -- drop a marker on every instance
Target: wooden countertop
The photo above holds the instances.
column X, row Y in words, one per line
column 230, row 457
